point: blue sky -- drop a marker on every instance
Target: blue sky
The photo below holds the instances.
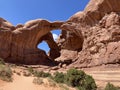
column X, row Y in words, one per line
column 21, row 11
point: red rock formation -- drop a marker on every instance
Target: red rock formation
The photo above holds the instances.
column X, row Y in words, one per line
column 19, row 44
column 88, row 38
column 98, row 29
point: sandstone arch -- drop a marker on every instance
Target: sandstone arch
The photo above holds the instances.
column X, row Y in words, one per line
column 20, row 42
column 19, row 45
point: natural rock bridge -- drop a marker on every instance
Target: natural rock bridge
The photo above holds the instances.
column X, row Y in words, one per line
column 18, row 44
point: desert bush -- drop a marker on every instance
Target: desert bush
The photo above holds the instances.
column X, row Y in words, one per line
column 41, row 74
column 27, row 74
column 38, row 73
column 30, row 69
column 63, row 87
column 2, row 61
column 13, row 65
column 38, row 81
column 51, row 82
column 79, row 79
column 73, row 77
column 88, row 83
column 5, row 73
column 59, row 77
column 110, row 86
column 76, row 78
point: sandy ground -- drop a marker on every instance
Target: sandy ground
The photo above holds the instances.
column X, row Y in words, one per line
column 20, row 83
column 104, row 74
column 101, row 75
column 23, row 83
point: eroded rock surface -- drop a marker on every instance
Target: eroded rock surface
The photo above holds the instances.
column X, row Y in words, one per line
column 98, row 29
column 19, row 44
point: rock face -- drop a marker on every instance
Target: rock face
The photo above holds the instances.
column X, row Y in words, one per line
column 19, row 44
column 88, row 38
column 94, row 34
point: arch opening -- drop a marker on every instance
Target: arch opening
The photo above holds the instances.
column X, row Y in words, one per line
column 49, row 45
column 55, row 34
column 44, row 46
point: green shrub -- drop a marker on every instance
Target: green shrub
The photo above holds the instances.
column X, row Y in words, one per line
column 1, row 29
column 41, row 74
column 89, row 83
column 78, row 78
column 27, row 74
column 110, row 86
column 2, row 61
column 38, row 73
column 52, row 83
column 30, row 69
column 73, row 77
column 59, row 77
column 38, row 81
column 5, row 73
column 63, row 87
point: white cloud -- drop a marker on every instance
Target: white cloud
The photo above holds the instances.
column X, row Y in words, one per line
column 55, row 36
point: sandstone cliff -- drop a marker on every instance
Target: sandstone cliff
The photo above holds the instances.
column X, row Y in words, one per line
column 94, row 34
